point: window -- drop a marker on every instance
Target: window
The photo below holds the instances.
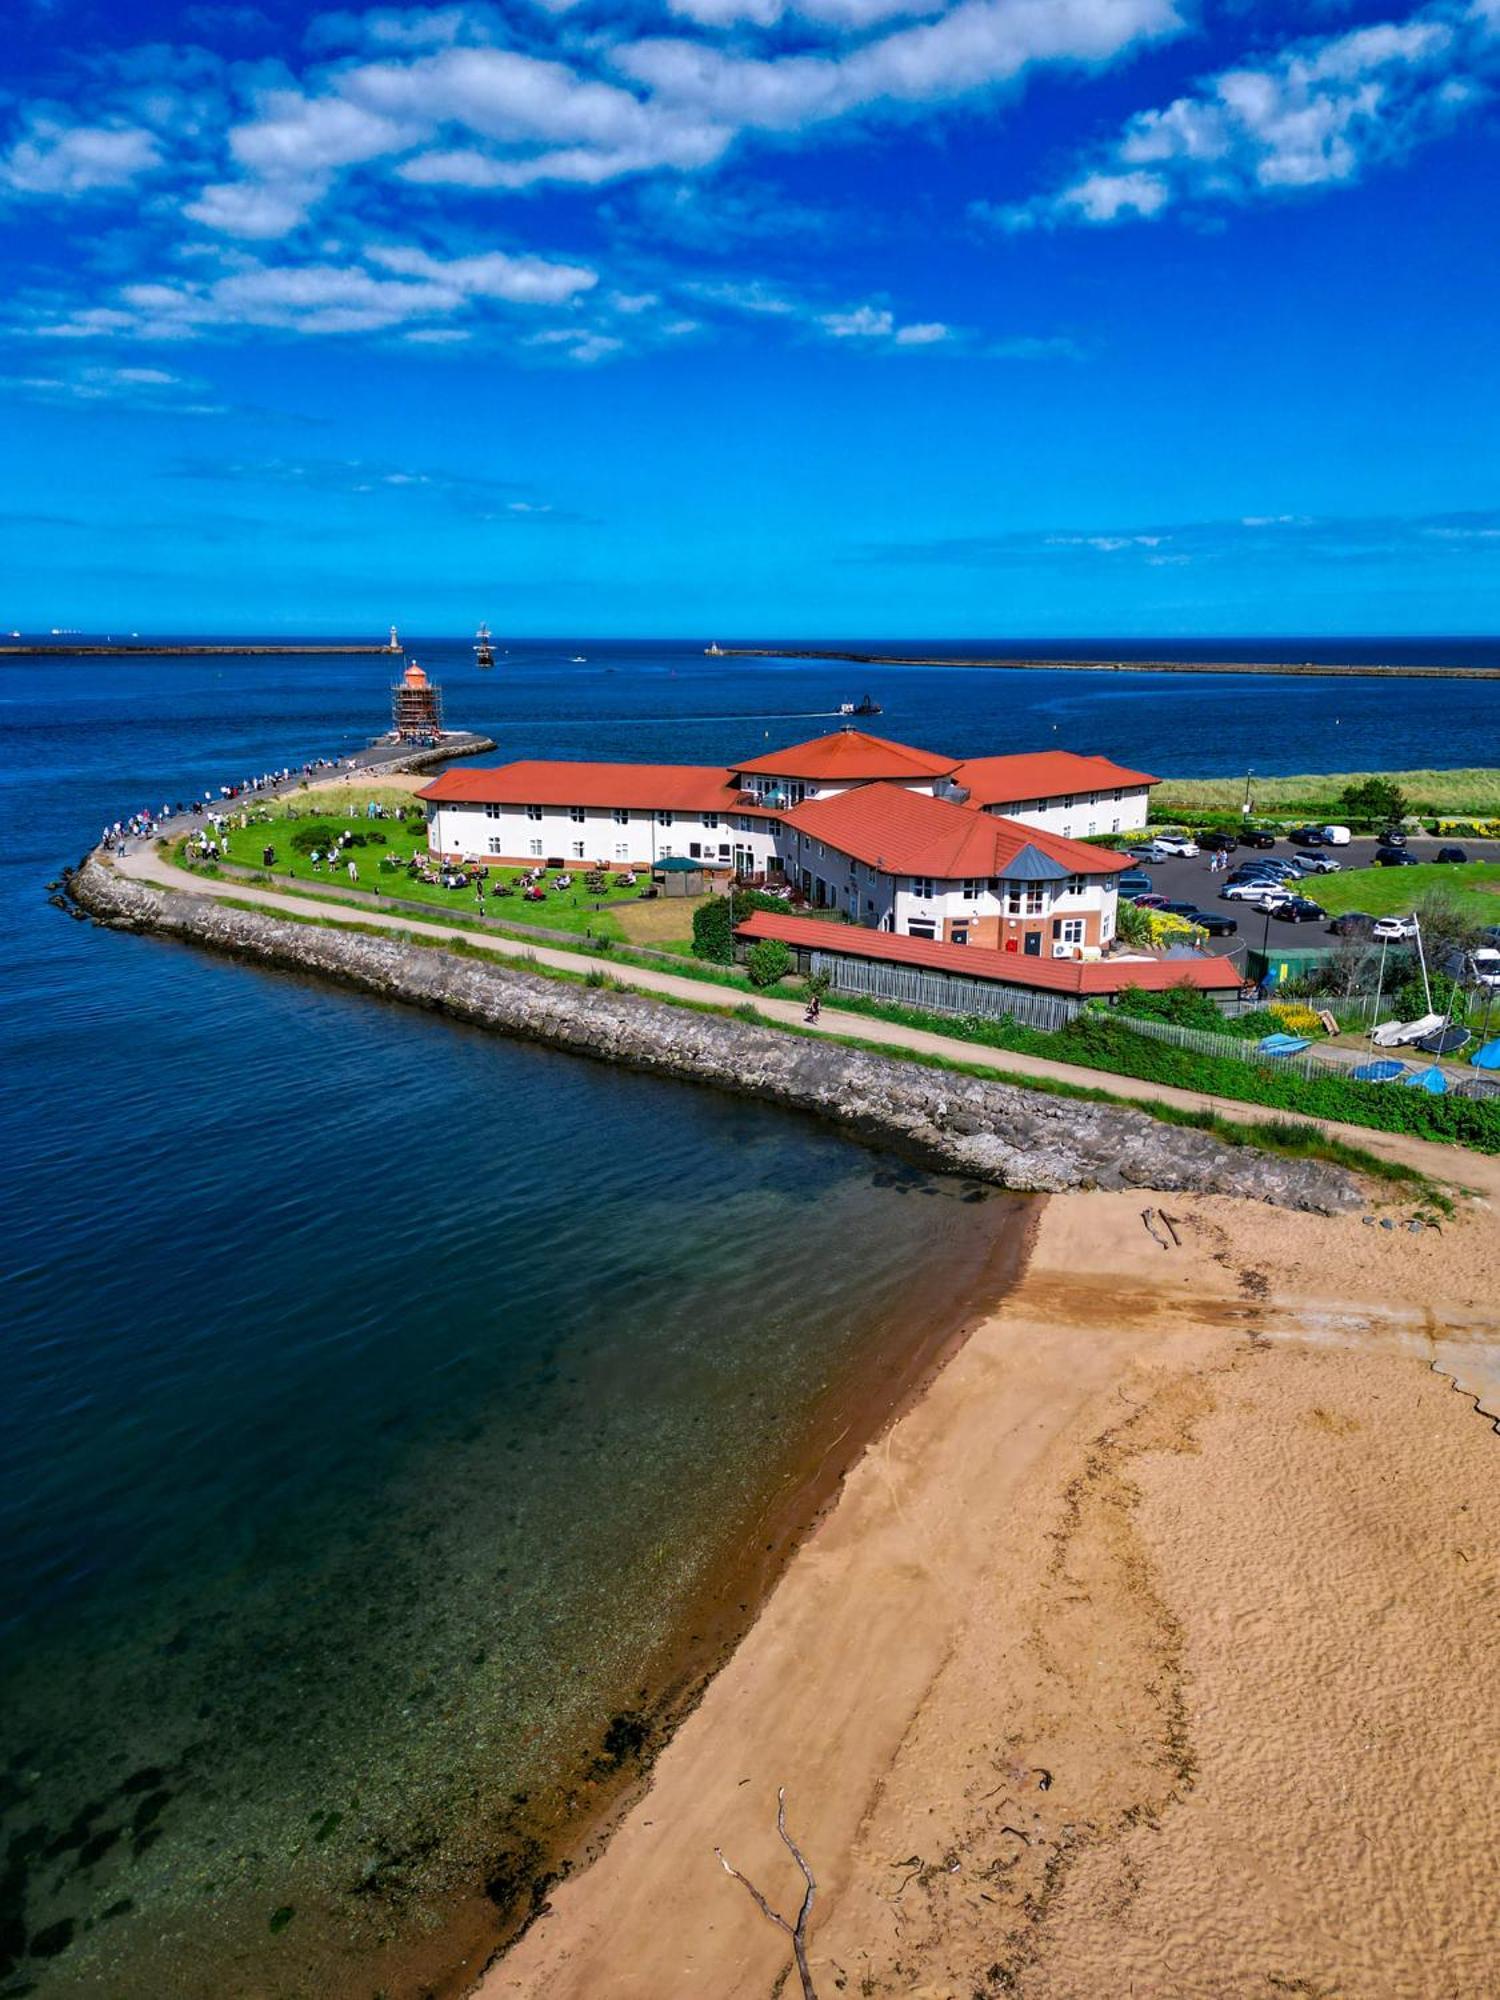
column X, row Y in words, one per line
column 577, row 814
column 921, row 930
column 1075, row 885
column 743, row 825
column 622, row 850
column 921, row 885
column 1023, row 899
column 534, row 812
column 695, row 850
column 622, row 815
column 1114, row 826
column 578, row 850
column 959, row 935
column 1069, row 930
column 1093, row 826
column 973, row 889
column 1106, row 926
column 492, row 812
column 723, row 850
column 711, row 822
column 497, row 845
column 663, row 818
column 535, row 846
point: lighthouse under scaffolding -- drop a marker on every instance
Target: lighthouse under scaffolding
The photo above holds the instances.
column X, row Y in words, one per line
column 417, row 707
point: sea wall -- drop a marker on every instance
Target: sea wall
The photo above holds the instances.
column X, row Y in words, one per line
column 1001, row 1133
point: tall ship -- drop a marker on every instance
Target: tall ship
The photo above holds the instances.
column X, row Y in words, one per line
column 484, row 648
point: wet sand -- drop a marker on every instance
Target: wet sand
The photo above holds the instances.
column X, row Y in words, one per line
column 1150, row 1651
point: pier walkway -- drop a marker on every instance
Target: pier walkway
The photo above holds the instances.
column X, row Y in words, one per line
column 1478, row 1171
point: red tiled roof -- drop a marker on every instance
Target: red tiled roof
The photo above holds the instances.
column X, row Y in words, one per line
column 1043, row 774
column 541, row 782
column 1081, row 977
column 850, row 754
column 911, row 833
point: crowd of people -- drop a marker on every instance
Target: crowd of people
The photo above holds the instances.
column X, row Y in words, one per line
column 150, row 820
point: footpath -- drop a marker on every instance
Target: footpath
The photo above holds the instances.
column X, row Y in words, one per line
column 1477, row 1171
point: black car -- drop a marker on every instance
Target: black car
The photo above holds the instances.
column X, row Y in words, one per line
column 1298, row 910
column 1307, row 836
column 1215, row 924
column 1256, row 836
column 1178, row 909
column 1394, row 857
column 1135, row 882
column 1353, row 923
column 1451, row 854
column 1392, row 837
column 1217, row 843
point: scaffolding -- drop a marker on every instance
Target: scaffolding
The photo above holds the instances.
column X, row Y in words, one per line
column 416, row 707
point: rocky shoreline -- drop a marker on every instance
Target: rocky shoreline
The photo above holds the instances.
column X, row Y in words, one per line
column 1028, row 1140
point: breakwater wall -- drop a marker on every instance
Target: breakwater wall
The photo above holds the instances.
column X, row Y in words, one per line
column 996, row 1132
column 1307, row 669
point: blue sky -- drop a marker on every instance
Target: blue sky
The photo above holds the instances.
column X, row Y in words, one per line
column 721, row 317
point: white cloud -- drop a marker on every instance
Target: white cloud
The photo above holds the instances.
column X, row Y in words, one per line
column 60, row 159
column 254, row 209
column 924, row 333
column 1315, row 114
column 862, row 323
column 492, row 275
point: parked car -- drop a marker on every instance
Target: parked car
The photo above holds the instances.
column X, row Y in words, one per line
column 1394, row 836
column 1318, row 864
column 1450, row 854
column 1252, row 892
column 1263, row 871
column 1484, row 968
column 1181, row 844
column 1394, row 857
column 1306, row 836
column 1389, row 930
column 1135, row 882
column 1177, row 909
column 1353, row 923
column 1256, row 836
column 1151, row 902
column 1150, row 852
column 1336, row 836
column 1218, row 925
column 1298, row 910
column 1218, row 843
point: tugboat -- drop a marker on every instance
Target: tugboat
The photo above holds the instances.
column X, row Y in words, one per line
column 484, row 651
column 867, row 706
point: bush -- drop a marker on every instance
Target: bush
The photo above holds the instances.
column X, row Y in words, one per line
column 316, row 837
column 713, row 934
column 769, row 961
column 1375, row 799
column 1183, row 1005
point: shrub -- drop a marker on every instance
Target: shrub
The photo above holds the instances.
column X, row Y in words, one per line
column 1183, row 1005
column 316, row 837
column 1293, row 1018
column 769, row 961
column 1375, row 799
column 713, row 934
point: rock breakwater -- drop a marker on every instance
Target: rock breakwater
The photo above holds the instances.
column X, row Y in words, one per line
column 997, row 1132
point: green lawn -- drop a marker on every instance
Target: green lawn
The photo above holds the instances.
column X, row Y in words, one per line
column 572, row 910
column 1474, row 888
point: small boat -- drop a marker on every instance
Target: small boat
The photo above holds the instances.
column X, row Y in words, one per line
column 580, row 659
column 1384, row 1071
column 866, row 706
column 484, row 650
column 1283, row 1045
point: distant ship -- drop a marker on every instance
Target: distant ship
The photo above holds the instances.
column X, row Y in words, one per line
column 715, row 651
column 580, row 659
column 867, row 706
column 484, row 651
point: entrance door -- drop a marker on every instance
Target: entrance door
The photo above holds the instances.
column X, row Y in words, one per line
column 744, row 861
column 1033, row 944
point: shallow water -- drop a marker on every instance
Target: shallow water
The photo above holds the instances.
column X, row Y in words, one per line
column 386, row 1402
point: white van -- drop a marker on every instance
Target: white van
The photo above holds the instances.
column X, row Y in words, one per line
column 1336, row 836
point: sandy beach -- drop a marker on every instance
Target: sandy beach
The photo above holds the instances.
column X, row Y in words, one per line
column 1149, row 1652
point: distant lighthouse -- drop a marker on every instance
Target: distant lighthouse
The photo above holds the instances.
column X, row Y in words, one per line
column 393, row 644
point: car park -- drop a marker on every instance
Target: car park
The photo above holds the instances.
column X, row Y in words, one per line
column 1317, row 864
column 1394, row 857
column 1298, row 910
column 1306, row 836
column 1176, row 843
column 1389, row 930
column 1450, row 854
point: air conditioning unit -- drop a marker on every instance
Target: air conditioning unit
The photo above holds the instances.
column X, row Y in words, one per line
column 1062, row 951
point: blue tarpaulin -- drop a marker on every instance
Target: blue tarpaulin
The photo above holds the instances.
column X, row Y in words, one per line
column 1379, row 1072
column 1488, row 1057
column 1431, row 1079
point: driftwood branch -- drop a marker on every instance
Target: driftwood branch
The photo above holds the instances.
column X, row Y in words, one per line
column 797, row 1931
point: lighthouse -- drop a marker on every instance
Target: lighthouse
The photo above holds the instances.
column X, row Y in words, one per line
column 416, row 707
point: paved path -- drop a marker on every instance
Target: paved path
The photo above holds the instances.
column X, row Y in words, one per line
column 1475, row 1170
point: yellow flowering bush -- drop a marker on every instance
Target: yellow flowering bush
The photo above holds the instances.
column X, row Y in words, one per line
column 1167, row 929
column 1296, row 1018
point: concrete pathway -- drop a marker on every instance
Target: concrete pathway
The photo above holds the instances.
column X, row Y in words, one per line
column 1478, row 1171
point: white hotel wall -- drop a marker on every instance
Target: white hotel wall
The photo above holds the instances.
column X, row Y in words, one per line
column 1082, row 814
column 479, row 833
